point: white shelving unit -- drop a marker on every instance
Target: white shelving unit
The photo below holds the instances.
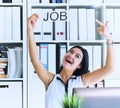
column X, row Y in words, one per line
column 13, row 89
column 29, row 87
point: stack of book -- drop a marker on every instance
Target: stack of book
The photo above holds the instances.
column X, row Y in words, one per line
column 11, row 60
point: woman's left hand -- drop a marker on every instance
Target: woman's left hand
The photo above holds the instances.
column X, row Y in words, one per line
column 104, row 30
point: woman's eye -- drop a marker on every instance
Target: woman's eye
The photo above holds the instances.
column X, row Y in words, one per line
column 71, row 51
column 77, row 56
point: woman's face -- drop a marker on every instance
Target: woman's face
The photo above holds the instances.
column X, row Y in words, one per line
column 72, row 59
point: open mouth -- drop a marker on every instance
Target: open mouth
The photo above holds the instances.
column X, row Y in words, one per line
column 70, row 62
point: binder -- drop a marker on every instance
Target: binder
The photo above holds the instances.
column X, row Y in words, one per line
column 17, row 1
column 58, row 1
column 82, row 24
column 44, row 1
column 16, row 25
column 73, row 15
column 35, row 1
column 52, row 58
column 97, row 57
column 44, row 54
column 64, row 1
column 2, row 24
column 90, row 54
column 63, row 50
column 7, row 1
column 91, row 23
column 19, row 62
column 116, row 25
column 60, row 27
column 47, row 25
column 39, row 25
column 110, row 17
column 112, row 1
column 11, row 63
column 86, row 2
column 8, row 24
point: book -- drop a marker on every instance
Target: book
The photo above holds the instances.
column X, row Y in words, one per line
column 2, row 24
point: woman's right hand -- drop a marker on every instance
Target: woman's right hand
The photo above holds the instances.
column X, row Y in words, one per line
column 32, row 22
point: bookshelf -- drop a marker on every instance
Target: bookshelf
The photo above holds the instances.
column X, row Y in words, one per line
column 62, row 30
column 78, row 31
column 13, row 37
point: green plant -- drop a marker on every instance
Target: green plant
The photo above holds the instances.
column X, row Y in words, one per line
column 72, row 101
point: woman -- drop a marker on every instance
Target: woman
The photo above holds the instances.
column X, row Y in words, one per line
column 74, row 71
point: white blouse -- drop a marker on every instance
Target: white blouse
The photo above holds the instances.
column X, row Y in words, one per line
column 57, row 88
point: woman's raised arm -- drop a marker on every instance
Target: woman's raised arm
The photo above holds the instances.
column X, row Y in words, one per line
column 44, row 74
column 100, row 74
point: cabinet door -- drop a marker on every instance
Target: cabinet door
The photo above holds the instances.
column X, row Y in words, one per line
column 10, row 94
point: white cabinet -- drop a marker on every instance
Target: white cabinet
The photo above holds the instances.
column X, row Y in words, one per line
column 11, row 94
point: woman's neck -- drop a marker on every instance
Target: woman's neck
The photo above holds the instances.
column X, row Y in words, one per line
column 65, row 75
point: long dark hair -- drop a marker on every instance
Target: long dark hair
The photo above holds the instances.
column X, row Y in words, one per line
column 84, row 63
